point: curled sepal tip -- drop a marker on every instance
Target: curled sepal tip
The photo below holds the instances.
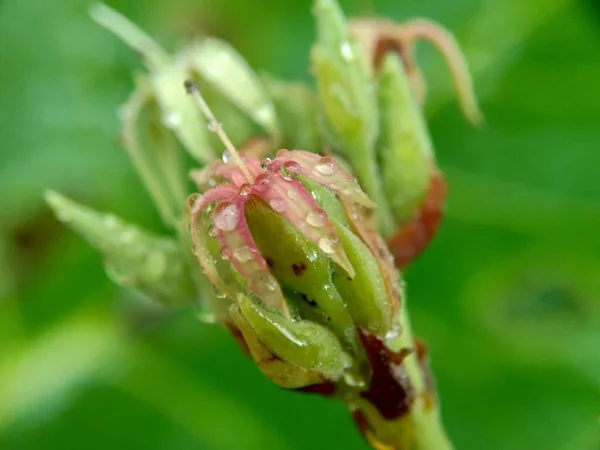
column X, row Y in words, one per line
column 325, row 171
column 133, row 257
column 196, row 205
column 238, row 246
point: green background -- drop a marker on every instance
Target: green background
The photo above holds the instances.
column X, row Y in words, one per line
column 507, row 296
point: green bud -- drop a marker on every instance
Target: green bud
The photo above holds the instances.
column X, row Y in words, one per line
column 302, row 343
column 166, row 76
column 404, row 148
column 154, row 153
column 365, row 294
column 228, row 73
column 299, row 265
column 179, row 112
column 348, row 101
column 133, row 258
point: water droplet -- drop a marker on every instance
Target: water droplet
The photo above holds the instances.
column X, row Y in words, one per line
column 277, row 205
column 270, row 284
column 393, row 333
column 226, row 218
column 171, row 119
column 224, row 252
column 354, row 380
column 316, row 218
column 265, row 163
column 264, row 113
column 245, row 189
column 347, row 52
column 274, row 166
column 243, row 254
column 327, row 244
column 217, row 293
column 290, row 170
column 326, row 165
column 282, row 152
column 261, row 184
column 226, row 157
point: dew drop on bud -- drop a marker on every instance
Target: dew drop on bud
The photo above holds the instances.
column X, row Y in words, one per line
column 277, row 205
column 347, row 52
column 326, row 165
column 226, row 157
column 292, row 169
column 245, row 189
column 226, row 218
column 171, row 119
column 242, row 254
column 327, row 244
column 316, row 218
column 270, row 284
column 265, row 163
column 217, row 293
column 261, row 184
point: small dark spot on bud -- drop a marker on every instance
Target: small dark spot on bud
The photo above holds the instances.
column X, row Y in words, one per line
column 298, row 269
column 348, row 278
column 308, row 300
column 190, row 86
column 270, row 262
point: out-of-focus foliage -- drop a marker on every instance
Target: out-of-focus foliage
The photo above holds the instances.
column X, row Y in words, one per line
column 508, row 295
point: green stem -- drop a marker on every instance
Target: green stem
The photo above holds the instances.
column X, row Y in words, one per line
column 421, row 428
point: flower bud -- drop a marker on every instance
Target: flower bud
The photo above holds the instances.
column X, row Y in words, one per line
column 304, row 267
column 133, row 258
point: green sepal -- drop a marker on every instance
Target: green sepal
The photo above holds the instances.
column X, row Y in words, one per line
column 305, row 344
column 404, row 148
column 228, row 72
column 326, row 199
column 365, row 294
column 133, row 258
column 180, row 114
column 298, row 264
column 348, row 102
column 167, row 77
column 284, row 374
